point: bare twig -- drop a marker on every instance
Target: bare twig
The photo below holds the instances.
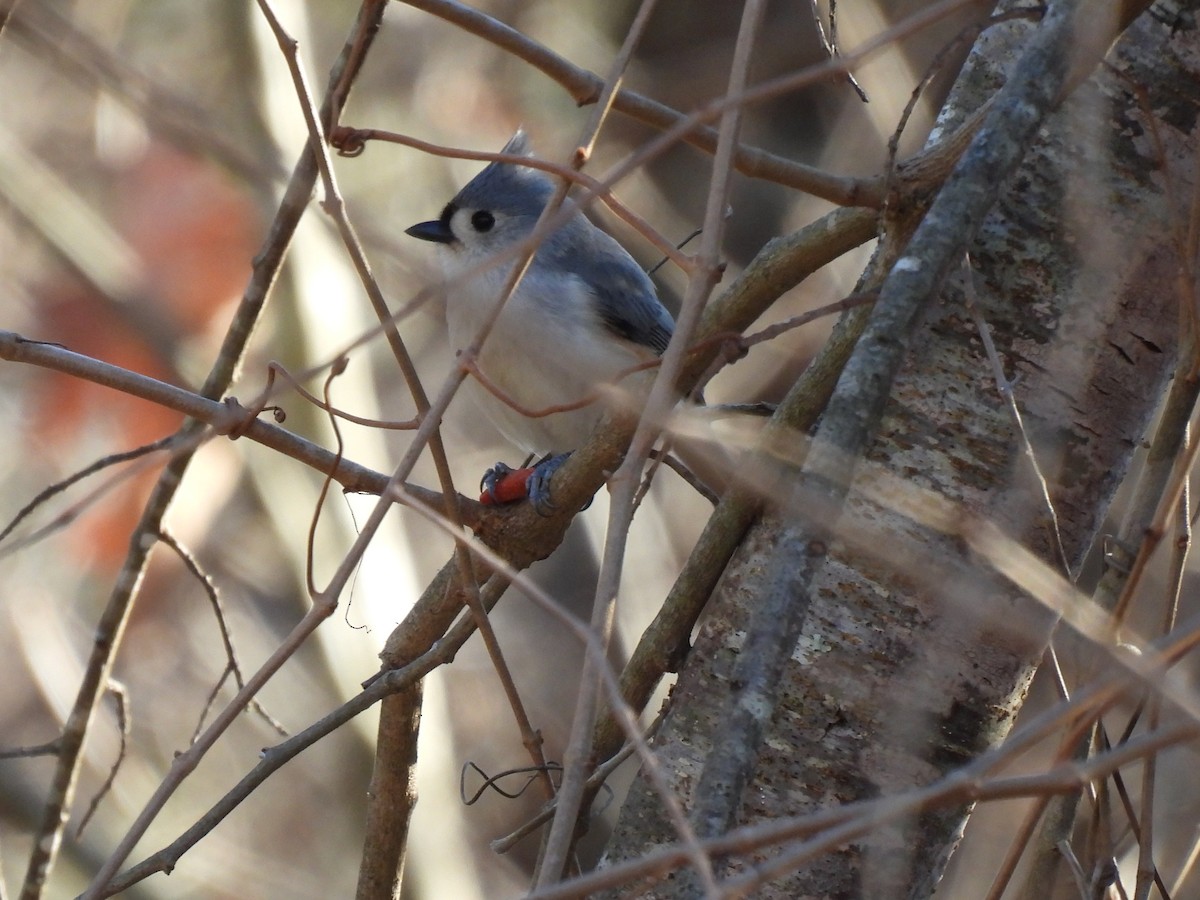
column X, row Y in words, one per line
column 232, row 667
column 50, row 748
column 773, row 331
column 1147, row 872
column 492, row 782
column 595, row 650
column 75, row 478
column 274, row 758
column 68, row 516
column 381, row 857
column 120, row 696
column 585, row 87
column 112, row 621
column 274, row 368
column 624, row 482
column 224, row 417
column 1005, row 389
column 830, row 42
column 598, row 778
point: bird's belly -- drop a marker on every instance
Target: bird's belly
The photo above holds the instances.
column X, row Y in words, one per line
column 556, row 432
column 541, row 362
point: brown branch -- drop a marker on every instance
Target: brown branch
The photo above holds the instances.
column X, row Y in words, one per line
column 383, row 851
column 832, row 828
column 390, row 683
column 274, row 368
column 352, row 142
column 112, row 621
column 64, row 519
column 623, row 484
column 174, row 116
column 120, row 695
column 232, row 667
column 50, row 748
column 595, row 650
column 223, row 417
column 584, row 87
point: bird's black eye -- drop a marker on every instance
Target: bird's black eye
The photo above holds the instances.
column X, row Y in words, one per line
column 482, row 221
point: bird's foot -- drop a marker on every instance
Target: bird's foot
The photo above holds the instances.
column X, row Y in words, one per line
column 504, row 484
column 539, row 483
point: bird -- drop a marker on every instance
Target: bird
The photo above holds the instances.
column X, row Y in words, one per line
column 584, row 313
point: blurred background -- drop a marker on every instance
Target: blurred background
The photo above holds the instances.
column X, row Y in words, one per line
column 143, row 150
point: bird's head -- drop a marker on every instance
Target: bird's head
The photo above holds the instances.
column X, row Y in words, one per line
column 497, row 208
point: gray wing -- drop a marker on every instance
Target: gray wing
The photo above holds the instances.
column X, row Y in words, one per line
column 626, row 301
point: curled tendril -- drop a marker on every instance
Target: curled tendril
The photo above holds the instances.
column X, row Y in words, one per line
column 490, row 782
column 348, row 141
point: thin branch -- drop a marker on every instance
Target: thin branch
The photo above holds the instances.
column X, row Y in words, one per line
column 226, row 417
column 773, row 331
column 311, row 542
column 598, row 778
column 232, row 667
column 595, row 650
column 274, row 758
column 1187, row 869
column 210, row 701
column 1005, row 389
column 383, row 851
column 75, row 478
column 120, row 696
column 64, row 518
column 492, row 782
column 1147, row 872
column 50, row 748
column 585, row 87
column 623, row 484
column 275, row 368
column 112, row 621
column 680, row 468
column 830, row 42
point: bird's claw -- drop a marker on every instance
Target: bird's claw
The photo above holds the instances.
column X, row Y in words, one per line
column 504, row 484
column 491, row 480
column 538, row 488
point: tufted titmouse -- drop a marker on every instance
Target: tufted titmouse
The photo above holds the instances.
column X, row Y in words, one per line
column 583, row 313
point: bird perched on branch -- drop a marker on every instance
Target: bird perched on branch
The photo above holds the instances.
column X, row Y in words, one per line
column 583, row 314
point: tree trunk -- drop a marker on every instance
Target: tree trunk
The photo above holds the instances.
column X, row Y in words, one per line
column 914, row 654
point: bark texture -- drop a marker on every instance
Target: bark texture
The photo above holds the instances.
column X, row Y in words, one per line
column 913, row 657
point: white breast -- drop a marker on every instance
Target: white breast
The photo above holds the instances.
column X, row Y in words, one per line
column 547, row 349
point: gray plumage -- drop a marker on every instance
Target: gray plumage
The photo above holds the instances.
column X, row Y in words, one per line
column 584, row 312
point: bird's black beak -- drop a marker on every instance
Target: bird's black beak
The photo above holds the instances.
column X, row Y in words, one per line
column 437, row 231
